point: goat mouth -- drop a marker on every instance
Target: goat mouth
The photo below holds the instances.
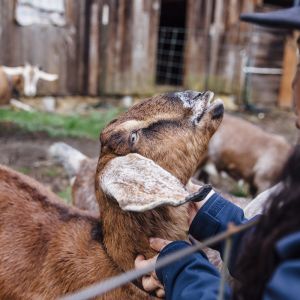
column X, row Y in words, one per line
column 203, row 104
column 216, row 109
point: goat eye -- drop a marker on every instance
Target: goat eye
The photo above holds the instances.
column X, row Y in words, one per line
column 133, row 137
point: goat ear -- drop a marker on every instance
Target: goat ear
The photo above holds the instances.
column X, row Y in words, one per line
column 138, row 184
column 13, row 71
column 47, row 76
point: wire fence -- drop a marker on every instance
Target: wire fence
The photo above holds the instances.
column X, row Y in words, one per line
column 223, row 61
column 107, row 285
column 170, row 55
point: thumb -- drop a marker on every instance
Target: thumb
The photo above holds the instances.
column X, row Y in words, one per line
column 158, row 244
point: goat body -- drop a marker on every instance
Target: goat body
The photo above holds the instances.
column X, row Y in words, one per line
column 49, row 249
column 7, row 85
column 81, row 171
column 246, row 151
column 83, row 188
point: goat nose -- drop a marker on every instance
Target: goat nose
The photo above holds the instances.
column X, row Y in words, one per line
column 195, row 95
column 189, row 97
column 192, row 94
column 198, row 95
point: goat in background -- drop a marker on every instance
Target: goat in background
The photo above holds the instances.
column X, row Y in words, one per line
column 247, row 152
column 21, row 80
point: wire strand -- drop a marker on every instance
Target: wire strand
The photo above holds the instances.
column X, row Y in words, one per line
column 109, row 284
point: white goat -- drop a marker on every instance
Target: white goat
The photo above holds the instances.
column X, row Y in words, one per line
column 21, row 79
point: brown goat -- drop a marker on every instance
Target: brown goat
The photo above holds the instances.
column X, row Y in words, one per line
column 242, row 149
column 83, row 188
column 49, row 249
column 248, row 152
column 7, row 85
column 81, row 171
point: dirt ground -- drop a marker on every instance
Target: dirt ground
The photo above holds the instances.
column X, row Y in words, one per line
column 27, row 152
column 277, row 121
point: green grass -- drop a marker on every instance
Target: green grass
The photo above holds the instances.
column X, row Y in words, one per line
column 66, row 195
column 24, row 170
column 51, row 171
column 58, row 125
column 240, row 190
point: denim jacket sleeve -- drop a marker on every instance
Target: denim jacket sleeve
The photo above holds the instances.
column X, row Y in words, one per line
column 191, row 278
column 213, row 218
column 194, row 277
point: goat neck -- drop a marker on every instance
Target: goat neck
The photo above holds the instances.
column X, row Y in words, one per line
column 126, row 234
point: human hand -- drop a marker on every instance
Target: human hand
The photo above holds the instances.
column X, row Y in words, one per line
column 150, row 282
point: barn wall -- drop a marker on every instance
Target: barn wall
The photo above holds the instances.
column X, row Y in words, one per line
column 96, row 55
column 129, row 47
column 218, row 46
column 56, row 49
column 90, row 57
column 214, row 39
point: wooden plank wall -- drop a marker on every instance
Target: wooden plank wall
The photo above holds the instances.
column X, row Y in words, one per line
column 90, row 57
column 266, row 49
column 214, row 35
column 290, row 62
column 57, row 50
column 218, row 45
column 129, row 47
column 97, row 53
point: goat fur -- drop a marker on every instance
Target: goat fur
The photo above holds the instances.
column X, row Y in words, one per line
column 8, row 85
column 49, row 249
column 248, row 152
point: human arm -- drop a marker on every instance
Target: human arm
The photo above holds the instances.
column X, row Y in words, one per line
column 192, row 277
column 212, row 218
column 209, row 209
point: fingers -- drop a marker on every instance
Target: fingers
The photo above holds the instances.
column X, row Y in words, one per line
column 192, row 211
column 160, row 293
column 151, row 284
column 141, row 262
column 153, row 274
column 158, row 244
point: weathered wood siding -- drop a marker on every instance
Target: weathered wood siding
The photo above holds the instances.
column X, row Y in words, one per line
column 58, row 50
column 89, row 56
column 110, row 47
column 214, row 39
column 129, row 47
column 218, row 46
